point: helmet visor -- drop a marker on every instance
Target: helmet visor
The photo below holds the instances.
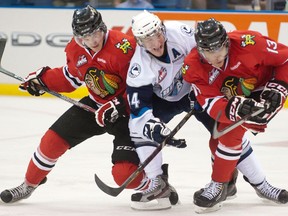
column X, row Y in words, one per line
column 216, row 57
column 214, row 47
column 151, row 40
column 86, row 39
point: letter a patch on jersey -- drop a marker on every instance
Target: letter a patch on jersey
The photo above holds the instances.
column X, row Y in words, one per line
column 175, row 53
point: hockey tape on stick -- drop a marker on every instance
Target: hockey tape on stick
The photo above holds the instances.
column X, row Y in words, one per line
column 56, row 94
column 116, row 191
column 217, row 134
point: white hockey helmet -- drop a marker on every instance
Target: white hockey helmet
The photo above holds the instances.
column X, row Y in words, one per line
column 146, row 24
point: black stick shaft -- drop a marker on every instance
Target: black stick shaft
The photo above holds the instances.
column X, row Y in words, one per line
column 116, row 191
column 56, row 94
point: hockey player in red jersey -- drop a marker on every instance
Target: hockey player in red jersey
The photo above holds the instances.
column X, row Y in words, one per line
column 100, row 59
column 236, row 73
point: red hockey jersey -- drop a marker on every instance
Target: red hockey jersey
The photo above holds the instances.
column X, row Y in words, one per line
column 104, row 73
column 252, row 61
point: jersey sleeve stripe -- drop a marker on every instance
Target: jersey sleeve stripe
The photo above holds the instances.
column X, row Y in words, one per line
column 74, row 81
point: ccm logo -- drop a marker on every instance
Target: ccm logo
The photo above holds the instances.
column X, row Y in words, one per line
column 234, row 105
column 278, row 87
column 127, row 148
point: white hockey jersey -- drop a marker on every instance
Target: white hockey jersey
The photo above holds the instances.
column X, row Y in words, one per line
column 148, row 75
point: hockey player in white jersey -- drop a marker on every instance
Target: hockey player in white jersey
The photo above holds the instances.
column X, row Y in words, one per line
column 156, row 93
column 155, row 82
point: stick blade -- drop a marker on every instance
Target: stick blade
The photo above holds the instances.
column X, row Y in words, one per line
column 216, row 134
column 107, row 189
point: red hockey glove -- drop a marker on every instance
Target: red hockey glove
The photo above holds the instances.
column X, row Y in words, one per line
column 110, row 111
column 273, row 96
column 33, row 83
column 238, row 107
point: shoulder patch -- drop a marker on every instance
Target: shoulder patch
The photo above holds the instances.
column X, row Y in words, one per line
column 247, row 40
column 124, row 45
column 185, row 29
column 134, row 71
column 184, row 69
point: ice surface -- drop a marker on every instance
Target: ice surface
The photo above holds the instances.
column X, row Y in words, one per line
column 71, row 190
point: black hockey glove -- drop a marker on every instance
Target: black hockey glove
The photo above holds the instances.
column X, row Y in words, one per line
column 109, row 112
column 33, row 83
column 274, row 96
column 157, row 131
column 194, row 103
column 238, row 107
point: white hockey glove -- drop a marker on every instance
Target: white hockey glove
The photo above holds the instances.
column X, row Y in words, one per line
column 273, row 96
column 33, row 83
column 157, row 131
column 109, row 112
column 238, row 107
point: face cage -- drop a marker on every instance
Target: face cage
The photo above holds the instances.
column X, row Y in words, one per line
column 161, row 29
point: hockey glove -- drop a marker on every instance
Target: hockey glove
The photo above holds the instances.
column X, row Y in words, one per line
column 194, row 103
column 274, row 96
column 238, row 107
column 157, row 131
column 110, row 111
column 33, row 83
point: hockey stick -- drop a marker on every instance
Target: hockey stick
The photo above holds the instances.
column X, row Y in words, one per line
column 56, row 94
column 116, row 191
column 217, row 134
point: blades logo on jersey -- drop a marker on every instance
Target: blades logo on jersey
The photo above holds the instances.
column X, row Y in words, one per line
column 81, row 61
column 102, row 83
column 233, row 86
column 162, row 74
column 248, row 40
column 124, row 45
column 175, row 87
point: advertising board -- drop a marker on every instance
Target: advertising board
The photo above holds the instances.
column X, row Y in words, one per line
column 37, row 37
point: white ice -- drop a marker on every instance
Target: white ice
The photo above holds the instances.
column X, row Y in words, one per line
column 71, row 190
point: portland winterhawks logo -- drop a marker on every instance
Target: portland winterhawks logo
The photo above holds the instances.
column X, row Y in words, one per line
column 102, row 83
column 233, row 86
